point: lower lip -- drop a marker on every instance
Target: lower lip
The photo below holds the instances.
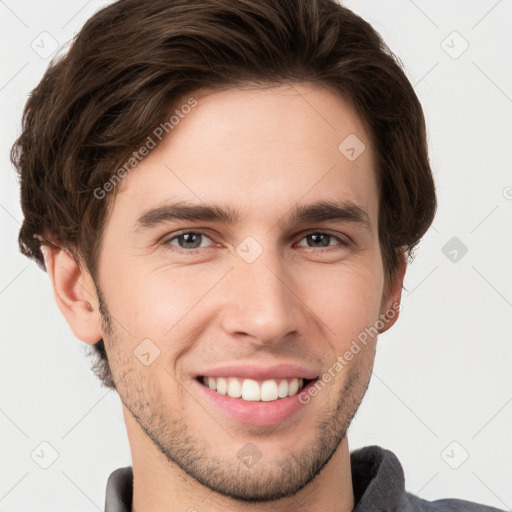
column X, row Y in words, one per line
column 256, row 413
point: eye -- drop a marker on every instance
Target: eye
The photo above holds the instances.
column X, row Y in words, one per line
column 188, row 240
column 321, row 239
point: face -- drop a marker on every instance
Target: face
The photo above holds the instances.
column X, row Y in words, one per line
column 275, row 289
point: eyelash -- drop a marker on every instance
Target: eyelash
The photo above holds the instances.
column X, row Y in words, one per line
column 168, row 241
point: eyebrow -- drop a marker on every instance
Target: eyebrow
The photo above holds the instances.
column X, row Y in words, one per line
column 345, row 211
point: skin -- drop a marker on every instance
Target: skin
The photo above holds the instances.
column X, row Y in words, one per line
column 261, row 151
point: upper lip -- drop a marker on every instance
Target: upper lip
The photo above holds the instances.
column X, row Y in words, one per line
column 259, row 372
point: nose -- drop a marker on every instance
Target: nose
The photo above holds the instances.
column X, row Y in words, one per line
column 261, row 301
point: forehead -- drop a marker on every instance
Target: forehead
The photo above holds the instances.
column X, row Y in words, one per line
column 260, row 151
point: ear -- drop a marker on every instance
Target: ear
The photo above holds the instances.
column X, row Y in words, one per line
column 390, row 304
column 74, row 293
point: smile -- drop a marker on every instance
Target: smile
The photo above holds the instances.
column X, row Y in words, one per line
column 252, row 390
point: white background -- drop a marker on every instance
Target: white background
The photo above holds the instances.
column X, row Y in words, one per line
column 442, row 378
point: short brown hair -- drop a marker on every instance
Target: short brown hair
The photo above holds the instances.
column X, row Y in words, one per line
column 134, row 59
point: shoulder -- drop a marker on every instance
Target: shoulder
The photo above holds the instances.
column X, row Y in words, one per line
column 412, row 503
column 379, row 486
column 119, row 491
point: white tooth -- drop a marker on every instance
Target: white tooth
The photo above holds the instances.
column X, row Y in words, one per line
column 282, row 391
column 269, row 391
column 293, row 387
column 222, row 385
column 250, row 390
column 234, row 388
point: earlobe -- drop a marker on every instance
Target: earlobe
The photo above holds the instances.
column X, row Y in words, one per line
column 74, row 293
column 390, row 308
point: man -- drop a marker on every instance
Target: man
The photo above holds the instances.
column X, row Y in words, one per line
column 224, row 195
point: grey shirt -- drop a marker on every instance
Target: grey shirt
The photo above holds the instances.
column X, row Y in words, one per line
column 377, row 478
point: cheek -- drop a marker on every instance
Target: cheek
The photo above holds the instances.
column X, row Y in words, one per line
column 347, row 300
column 158, row 304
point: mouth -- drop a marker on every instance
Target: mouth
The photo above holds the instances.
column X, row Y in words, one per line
column 251, row 390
